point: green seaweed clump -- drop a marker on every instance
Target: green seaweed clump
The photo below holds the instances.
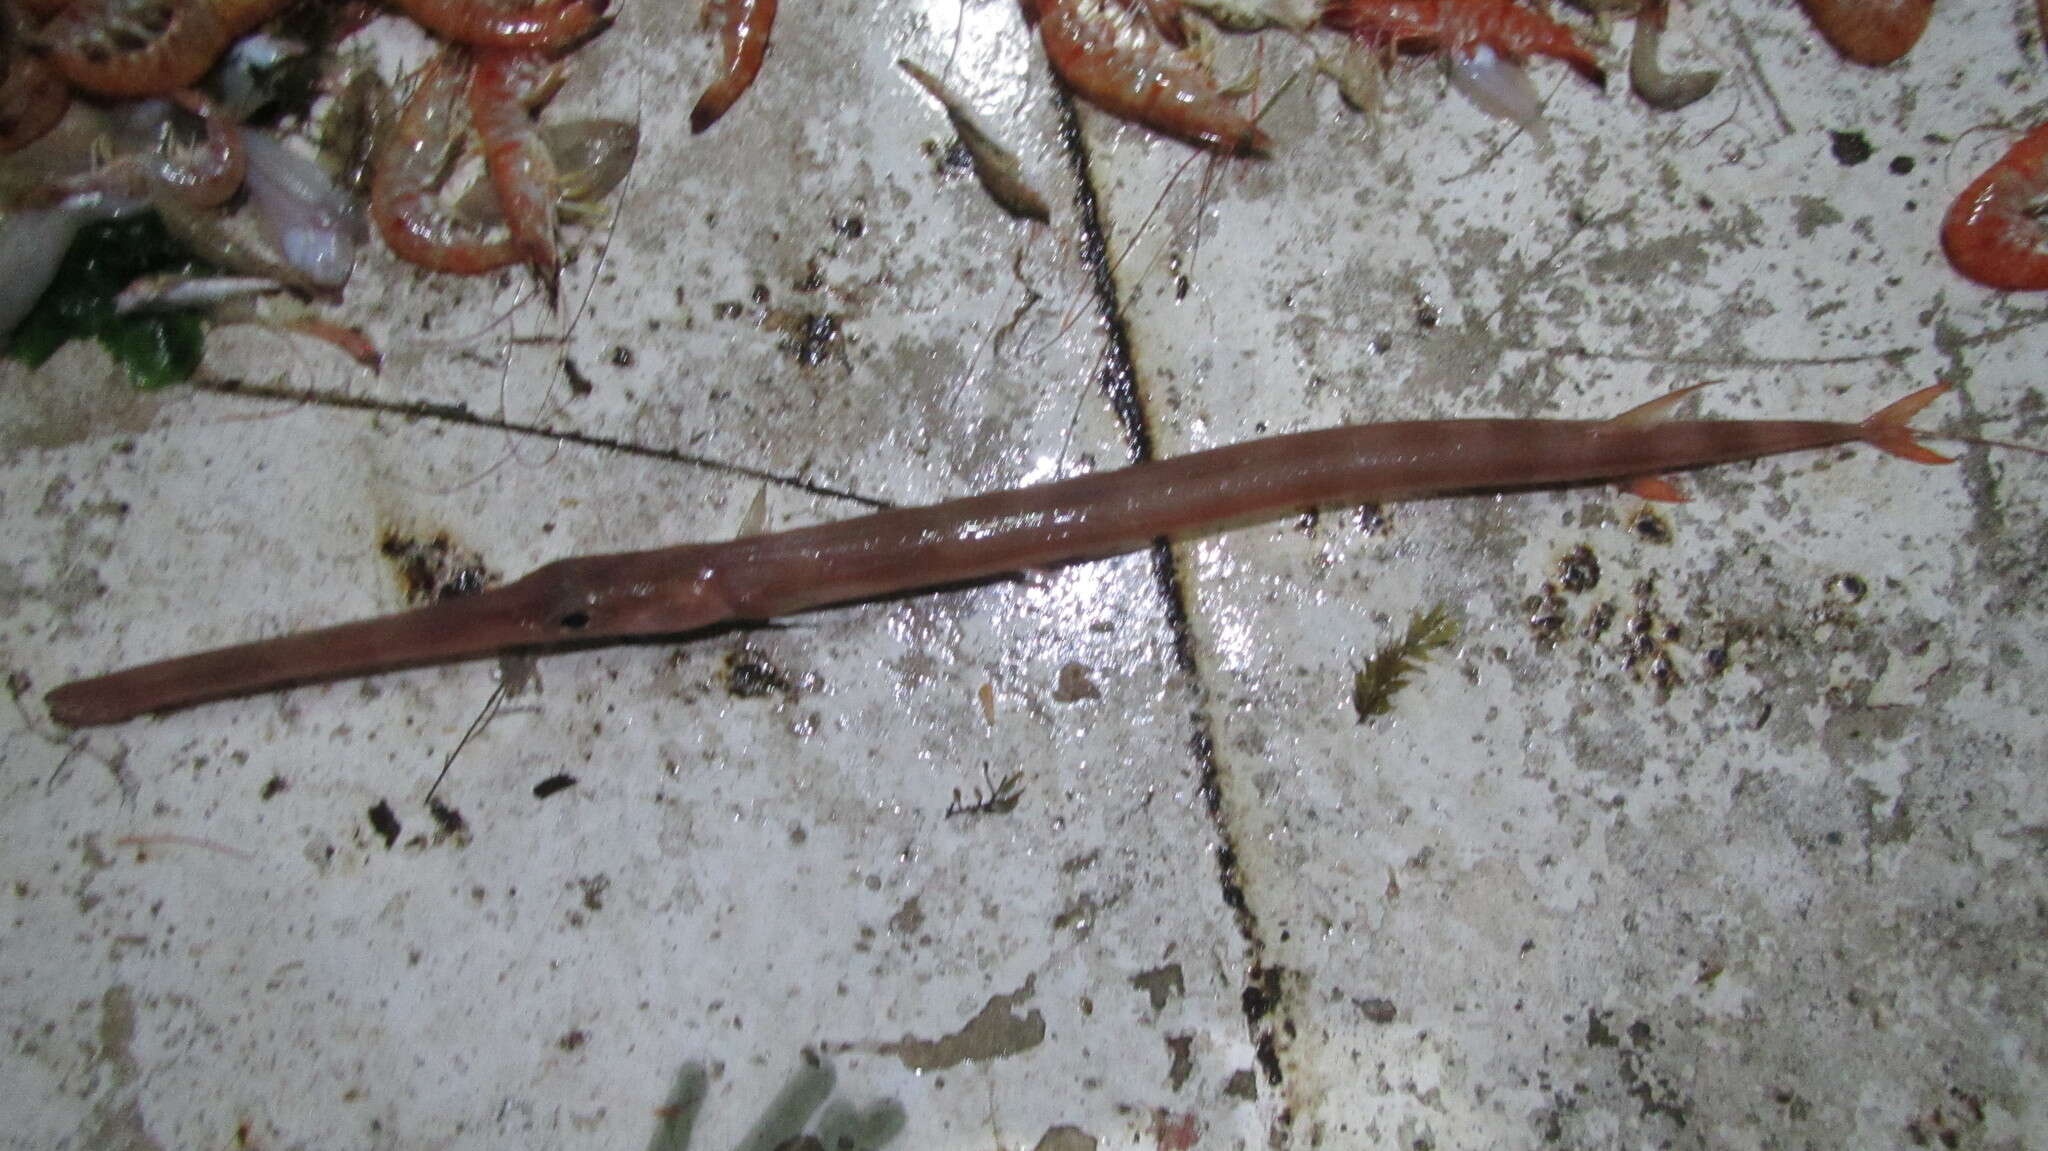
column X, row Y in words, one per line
column 157, row 348
column 1388, row 671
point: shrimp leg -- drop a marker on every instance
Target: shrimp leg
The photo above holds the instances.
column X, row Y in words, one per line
column 697, row 586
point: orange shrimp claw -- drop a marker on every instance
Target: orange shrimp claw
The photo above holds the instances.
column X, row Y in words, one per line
column 1990, row 234
column 744, row 32
column 1889, row 429
column 1870, row 32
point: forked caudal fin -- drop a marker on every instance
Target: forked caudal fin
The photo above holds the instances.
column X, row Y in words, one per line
column 1889, row 429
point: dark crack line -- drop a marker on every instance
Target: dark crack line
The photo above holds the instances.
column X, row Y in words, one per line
column 460, row 414
column 1119, row 381
column 1119, row 375
column 1704, row 360
column 2026, row 322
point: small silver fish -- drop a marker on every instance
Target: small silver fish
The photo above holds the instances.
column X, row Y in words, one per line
column 175, row 291
column 994, row 165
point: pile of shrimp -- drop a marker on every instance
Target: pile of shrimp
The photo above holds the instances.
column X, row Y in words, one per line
column 110, row 108
column 1145, row 60
column 1141, row 61
column 115, row 107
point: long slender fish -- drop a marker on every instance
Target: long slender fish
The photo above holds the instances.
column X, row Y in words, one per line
column 689, row 588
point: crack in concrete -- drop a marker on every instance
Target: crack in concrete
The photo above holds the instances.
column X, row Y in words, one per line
column 1708, row 360
column 2026, row 321
column 460, row 414
column 1120, row 382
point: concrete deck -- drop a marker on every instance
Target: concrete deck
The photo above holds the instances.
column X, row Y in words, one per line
column 1733, row 838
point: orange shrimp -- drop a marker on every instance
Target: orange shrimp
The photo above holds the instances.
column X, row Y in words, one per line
column 1873, row 32
column 545, row 27
column 174, row 185
column 412, row 160
column 521, row 166
column 1990, row 233
column 1460, row 26
column 1113, row 58
column 146, row 47
column 32, row 97
column 223, row 163
column 743, row 32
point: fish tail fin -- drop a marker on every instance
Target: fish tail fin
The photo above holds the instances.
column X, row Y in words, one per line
column 1890, row 429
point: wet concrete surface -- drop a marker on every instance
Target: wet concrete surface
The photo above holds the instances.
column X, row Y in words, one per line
column 1716, row 823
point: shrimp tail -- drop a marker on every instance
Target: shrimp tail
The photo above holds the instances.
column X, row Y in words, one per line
column 746, row 27
column 521, row 167
column 1889, row 429
column 1588, row 69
